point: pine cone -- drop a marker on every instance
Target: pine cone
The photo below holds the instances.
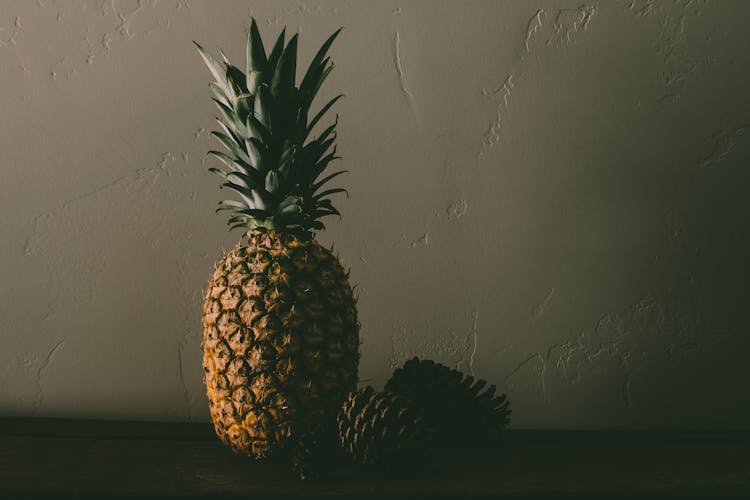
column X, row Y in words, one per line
column 455, row 405
column 382, row 429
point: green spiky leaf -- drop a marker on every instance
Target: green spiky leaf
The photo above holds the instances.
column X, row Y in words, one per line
column 327, row 192
column 232, row 146
column 236, row 165
column 262, row 107
column 322, row 164
column 221, row 96
column 243, row 106
column 272, row 181
column 258, row 130
column 320, row 183
column 236, row 80
column 283, row 76
column 277, row 50
column 322, row 111
column 230, row 118
column 255, row 151
column 230, row 205
column 316, row 62
column 256, row 53
column 214, row 66
column 291, row 209
column 286, row 162
column 308, row 93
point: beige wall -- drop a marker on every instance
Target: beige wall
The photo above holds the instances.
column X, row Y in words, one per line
column 551, row 195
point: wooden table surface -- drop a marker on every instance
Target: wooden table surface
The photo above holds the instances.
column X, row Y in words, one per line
column 49, row 458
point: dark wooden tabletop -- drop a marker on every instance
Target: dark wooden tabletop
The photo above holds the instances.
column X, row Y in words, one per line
column 47, row 458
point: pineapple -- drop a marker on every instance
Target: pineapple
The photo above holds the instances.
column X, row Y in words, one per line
column 281, row 336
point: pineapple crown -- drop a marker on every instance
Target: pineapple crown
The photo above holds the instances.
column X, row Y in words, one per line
column 272, row 162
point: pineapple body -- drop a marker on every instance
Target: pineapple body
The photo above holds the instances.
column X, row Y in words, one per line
column 281, row 341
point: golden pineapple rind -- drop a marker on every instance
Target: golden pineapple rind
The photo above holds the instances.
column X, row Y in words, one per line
column 280, row 340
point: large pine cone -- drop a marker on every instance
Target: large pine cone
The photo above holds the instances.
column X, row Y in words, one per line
column 455, row 404
column 382, row 429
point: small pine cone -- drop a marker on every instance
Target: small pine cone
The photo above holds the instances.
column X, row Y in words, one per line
column 382, row 429
column 455, row 404
column 315, row 453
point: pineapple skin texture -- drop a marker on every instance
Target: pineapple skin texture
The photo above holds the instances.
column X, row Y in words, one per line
column 280, row 341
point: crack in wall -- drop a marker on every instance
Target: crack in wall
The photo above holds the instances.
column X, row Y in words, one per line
column 492, row 135
column 189, row 296
column 126, row 18
column 183, row 386
column 422, row 241
column 136, row 181
column 452, row 349
column 541, row 374
column 456, row 210
column 111, row 24
column 36, row 405
column 724, row 141
column 533, row 26
column 42, row 221
column 10, row 38
column 475, row 334
column 298, row 9
column 569, row 21
column 646, row 330
column 400, row 73
column 670, row 40
column 538, row 310
column 543, row 381
column 628, row 391
column 561, row 32
column 166, row 158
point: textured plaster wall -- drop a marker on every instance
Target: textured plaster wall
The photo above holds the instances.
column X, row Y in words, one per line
column 551, row 195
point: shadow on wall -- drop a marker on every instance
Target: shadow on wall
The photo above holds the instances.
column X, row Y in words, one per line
column 641, row 226
column 680, row 236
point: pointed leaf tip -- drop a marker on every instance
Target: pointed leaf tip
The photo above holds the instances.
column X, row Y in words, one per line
column 278, row 48
column 256, row 53
column 284, row 74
